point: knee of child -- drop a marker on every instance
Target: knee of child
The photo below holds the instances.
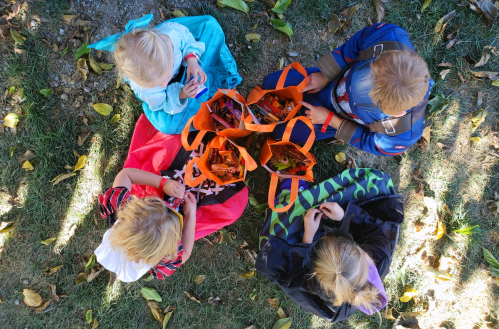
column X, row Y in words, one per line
column 212, row 23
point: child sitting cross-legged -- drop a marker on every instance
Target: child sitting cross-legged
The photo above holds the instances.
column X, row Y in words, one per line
column 147, row 234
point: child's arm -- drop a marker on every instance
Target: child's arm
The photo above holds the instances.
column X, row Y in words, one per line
column 311, row 225
column 129, row 176
column 189, row 225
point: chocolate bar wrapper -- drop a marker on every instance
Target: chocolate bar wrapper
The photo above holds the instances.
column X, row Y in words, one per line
column 266, row 113
column 230, row 105
column 221, row 121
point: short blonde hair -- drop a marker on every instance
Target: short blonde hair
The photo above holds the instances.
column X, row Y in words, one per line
column 341, row 267
column 147, row 230
column 144, row 57
column 401, row 81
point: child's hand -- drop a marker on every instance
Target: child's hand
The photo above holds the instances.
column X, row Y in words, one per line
column 174, row 189
column 311, row 224
column 189, row 90
column 316, row 82
column 194, row 70
column 332, row 210
column 190, row 205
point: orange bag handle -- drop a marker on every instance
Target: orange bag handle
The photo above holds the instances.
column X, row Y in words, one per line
column 189, row 169
column 289, row 129
column 197, row 140
column 284, row 75
column 250, row 162
column 273, row 187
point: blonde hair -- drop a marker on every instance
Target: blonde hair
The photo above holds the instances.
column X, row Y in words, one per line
column 341, row 267
column 401, row 81
column 147, row 230
column 144, row 57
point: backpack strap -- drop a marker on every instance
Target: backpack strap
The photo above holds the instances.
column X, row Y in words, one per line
column 382, row 46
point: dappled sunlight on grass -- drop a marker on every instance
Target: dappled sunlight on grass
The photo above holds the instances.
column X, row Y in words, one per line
column 111, row 294
column 5, row 206
column 88, row 188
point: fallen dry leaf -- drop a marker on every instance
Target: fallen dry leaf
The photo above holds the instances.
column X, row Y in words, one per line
column 487, row 53
column 112, row 278
column 255, row 37
column 334, row 24
column 50, row 271
column 274, row 302
column 53, row 293
column 350, row 11
column 488, row 10
column 169, row 309
column 444, row 73
column 192, row 297
column 93, row 274
column 81, row 277
column 28, row 155
column 44, row 306
column 445, row 64
column 280, row 313
column 31, row 298
column 48, row 242
column 478, row 118
column 438, row 275
column 7, row 226
column 248, row 275
column 442, row 23
column 215, row 301
column 156, row 311
column 61, row 177
column 250, row 257
column 82, row 137
column 244, row 244
column 486, row 74
column 387, row 313
column 452, row 43
column 81, row 163
column 199, row 279
column 408, row 295
column 380, row 9
column 27, row 166
column 426, row 137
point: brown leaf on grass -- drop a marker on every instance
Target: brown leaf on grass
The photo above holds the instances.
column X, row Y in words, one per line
column 452, row 36
column 69, row 19
column 112, row 278
column 446, row 207
column 169, row 309
column 28, row 155
column 387, row 313
column 273, row 301
column 59, row 178
column 192, row 297
column 444, row 73
column 488, row 10
column 226, row 236
column 280, row 313
column 215, row 301
column 53, row 293
column 351, row 164
column 50, row 271
column 425, row 138
column 461, row 77
column 442, row 23
column 441, row 230
column 93, row 274
column 31, row 298
column 244, row 244
column 439, row 276
column 81, row 70
column 487, row 53
column 350, row 11
column 334, row 24
column 81, row 277
column 479, row 99
column 380, row 9
column 82, row 137
column 44, row 306
column 445, row 64
column 452, row 43
column 94, row 65
column 478, row 118
column 250, row 257
column 200, row 279
column 23, row 53
column 486, row 74
column 156, row 311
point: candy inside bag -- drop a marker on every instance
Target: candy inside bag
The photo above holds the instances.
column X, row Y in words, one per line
column 272, row 108
column 227, row 162
column 286, row 159
column 225, row 114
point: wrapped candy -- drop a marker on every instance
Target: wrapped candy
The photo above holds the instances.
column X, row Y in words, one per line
column 272, row 108
column 286, row 159
column 225, row 114
column 226, row 162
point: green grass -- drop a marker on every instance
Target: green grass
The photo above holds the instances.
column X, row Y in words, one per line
column 464, row 178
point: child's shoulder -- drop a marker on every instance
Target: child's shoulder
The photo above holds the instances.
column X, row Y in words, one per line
column 168, row 28
column 110, row 200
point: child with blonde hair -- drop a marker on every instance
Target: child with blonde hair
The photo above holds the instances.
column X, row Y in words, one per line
column 330, row 251
column 371, row 92
column 163, row 66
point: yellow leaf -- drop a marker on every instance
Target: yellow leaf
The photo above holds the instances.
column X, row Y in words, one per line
column 50, row 271
column 478, row 118
column 115, row 119
column 106, row 66
column 496, row 281
column 255, row 37
column 178, row 13
column 27, row 166
column 156, row 310
column 81, row 163
column 48, row 242
column 248, row 275
column 7, row 226
column 475, row 139
column 440, row 276
column 192, row 297
column 96, row 324
column 31, row 298
column 44, row 306
column 11, row 120
column 441, row 230
column 340, row 157
column 19, row 39
column 273, row 301
column 94, row 65
column 81, row 277
column 88, row 316
column 62, row 177
column 387, row 313
column 199, row 279
column 103, row 109
column 280, row 313
column 408, row 295
column 167, row 318
column 283, row 323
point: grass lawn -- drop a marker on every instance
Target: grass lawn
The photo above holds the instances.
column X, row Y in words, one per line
column 454, row 180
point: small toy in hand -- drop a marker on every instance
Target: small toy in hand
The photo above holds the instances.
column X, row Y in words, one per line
column 226, row 162
column 225, row 113
column 272, row 108
column 286, row 159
